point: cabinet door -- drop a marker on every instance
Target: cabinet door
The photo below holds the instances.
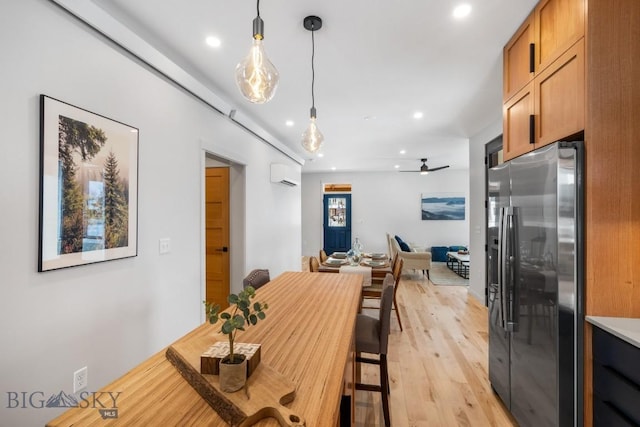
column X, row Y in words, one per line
column 559, row 25
column 517, row 64
column 559, row 97
column 516, row 122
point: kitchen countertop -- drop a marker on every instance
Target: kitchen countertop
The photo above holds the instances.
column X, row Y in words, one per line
column 625, row 328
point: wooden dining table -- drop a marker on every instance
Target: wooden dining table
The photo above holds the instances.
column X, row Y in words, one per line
column 307, row 337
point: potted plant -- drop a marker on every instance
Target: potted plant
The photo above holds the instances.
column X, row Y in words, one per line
column 233, row 368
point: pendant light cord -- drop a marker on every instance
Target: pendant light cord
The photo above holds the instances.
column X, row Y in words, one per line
column 313, row 70
column 313, row 23
column 258, row 8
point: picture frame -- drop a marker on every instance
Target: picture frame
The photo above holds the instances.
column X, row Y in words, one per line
column 88, row 187
column 442, row 206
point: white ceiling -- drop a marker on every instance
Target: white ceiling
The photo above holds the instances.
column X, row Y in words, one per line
column 376, row 64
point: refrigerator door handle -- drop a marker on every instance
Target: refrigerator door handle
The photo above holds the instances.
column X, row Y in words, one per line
column 512, row 313
column 508, row 271
column 503, row 265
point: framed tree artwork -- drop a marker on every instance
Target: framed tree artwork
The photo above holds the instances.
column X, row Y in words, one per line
column 88, row 187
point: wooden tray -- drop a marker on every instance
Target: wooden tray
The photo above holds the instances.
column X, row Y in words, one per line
column 263, row 396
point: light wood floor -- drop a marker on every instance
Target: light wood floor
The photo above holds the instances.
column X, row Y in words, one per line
column 437, row 365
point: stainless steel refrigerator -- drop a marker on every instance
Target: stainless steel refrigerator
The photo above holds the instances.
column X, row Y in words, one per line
column 535, row 284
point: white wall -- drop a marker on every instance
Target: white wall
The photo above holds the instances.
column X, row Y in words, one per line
column 112, row 315
column 385, row 202
column 477, row 190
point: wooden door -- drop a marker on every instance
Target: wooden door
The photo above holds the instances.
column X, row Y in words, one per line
column 337, row 223
column 217, row 235
column 517, row 123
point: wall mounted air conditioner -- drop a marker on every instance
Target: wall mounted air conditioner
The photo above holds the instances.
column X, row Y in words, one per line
column 284, row 174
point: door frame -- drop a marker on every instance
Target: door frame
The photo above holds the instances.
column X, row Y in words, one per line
column 237, row 220
column 492, row 154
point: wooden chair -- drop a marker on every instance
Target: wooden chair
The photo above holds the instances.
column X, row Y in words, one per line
column 256, row 278
column 375, row 291
column 372, row 336
column 314, row 265
column 397, row 273
column 323, row 255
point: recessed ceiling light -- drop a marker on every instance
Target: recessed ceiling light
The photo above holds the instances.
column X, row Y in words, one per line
column 320, row 155
column 461, row 11
column 289, row 123
column 397, row 166
column 418, row 115
column 213, row 41
column 369, row 117
column 403, row 151
column 333, row 168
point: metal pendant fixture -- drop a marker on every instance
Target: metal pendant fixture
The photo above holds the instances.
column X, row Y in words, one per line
column 256, row 76
column 312, row 138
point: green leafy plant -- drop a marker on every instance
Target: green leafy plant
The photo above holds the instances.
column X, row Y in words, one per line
column 244, row 313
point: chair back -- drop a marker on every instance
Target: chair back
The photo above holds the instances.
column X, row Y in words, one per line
column 397, row 269
column 314, row 265
column 394, row 261
column 256, row 278
column 323, row 255
column 386, row 301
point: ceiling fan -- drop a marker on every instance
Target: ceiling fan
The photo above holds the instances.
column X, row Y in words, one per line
column 424, row 169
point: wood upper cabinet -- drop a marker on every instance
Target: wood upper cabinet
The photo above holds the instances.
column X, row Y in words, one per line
column 516, row 122
column 544, row 77
column 559, row 25
column 551, row 28
column 549, row 108
column 559, row 102
column 517, row 65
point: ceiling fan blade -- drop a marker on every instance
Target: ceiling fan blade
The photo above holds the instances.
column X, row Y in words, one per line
column 424, row 169
column 438, row 168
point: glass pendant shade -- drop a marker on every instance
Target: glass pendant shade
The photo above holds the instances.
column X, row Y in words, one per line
column 312, row 137
column 256, row 76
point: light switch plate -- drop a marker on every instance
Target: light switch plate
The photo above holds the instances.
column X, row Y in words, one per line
column 165, row 246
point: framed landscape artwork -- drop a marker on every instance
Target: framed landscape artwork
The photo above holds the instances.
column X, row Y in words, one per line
column 88, row 187
column 442, row 206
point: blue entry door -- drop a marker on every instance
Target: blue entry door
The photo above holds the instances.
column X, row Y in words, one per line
column 337, row 223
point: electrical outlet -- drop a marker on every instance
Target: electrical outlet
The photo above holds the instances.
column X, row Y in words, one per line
column 80, row 379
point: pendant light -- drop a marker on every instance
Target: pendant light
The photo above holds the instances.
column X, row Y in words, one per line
column 256, row 76
column 312, row 137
